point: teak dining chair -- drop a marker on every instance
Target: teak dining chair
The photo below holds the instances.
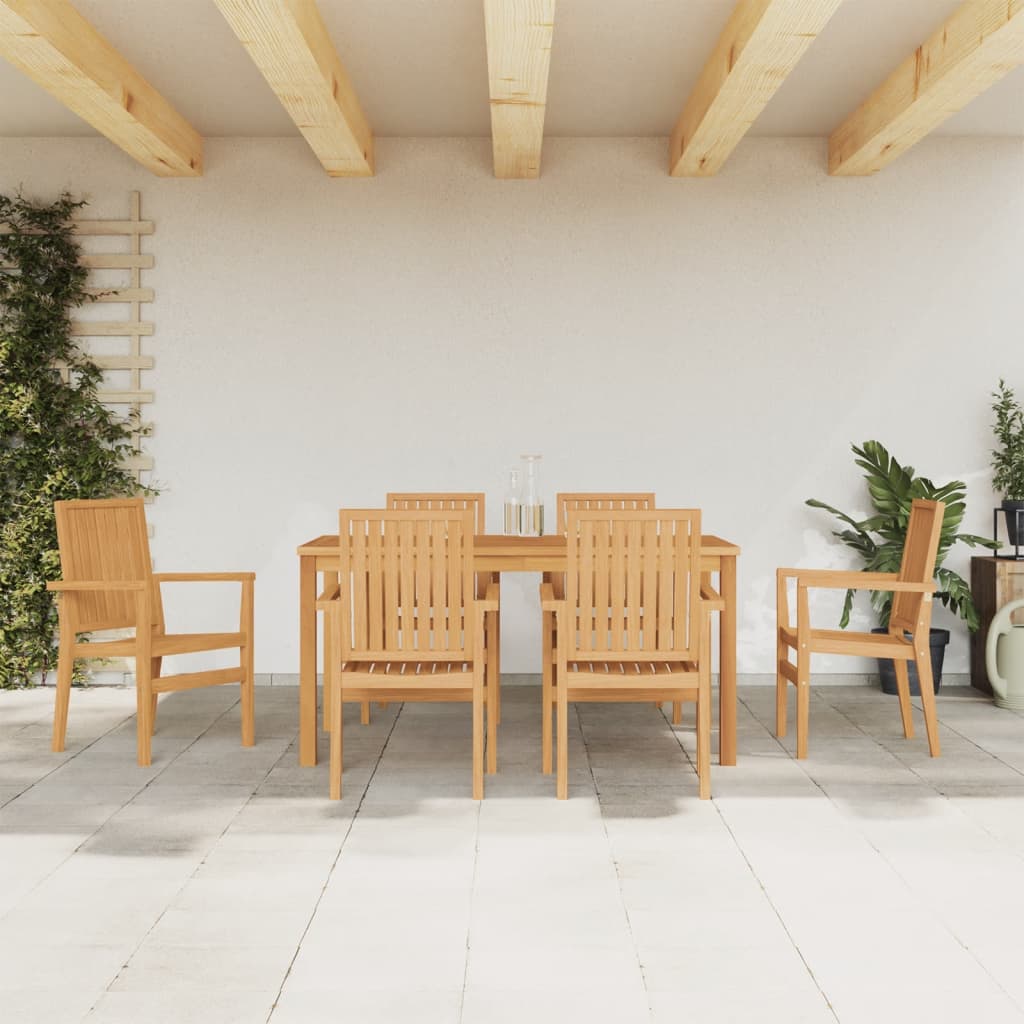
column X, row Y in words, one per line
column 593, row 501
column 590, row 501
column 632, row 626
column 906, row 640
column 108, row 583
column 406, row 623
column 449, row 501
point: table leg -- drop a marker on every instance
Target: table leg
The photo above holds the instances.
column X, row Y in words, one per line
column 307, row 661
column 727, row 664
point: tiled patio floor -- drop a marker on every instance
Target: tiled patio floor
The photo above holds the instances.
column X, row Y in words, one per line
column 867, row 884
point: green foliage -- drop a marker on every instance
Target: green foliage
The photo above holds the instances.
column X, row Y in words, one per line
column 57, row 440
column 879, row 539
column 1008, row 459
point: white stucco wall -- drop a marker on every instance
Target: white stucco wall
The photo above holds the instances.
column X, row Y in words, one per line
column 720, row 342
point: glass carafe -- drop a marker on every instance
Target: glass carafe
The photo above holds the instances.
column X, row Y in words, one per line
column 512, row 505
column 531, row 510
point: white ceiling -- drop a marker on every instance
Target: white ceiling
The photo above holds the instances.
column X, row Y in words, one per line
column 618, row 67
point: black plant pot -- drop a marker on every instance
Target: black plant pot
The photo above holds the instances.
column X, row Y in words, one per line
column 937, row 642
column 1014, row 513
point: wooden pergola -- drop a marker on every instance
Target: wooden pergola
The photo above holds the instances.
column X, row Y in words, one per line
column 760, row 45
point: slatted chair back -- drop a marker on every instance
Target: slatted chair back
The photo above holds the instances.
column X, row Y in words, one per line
column 633, row 584
column 584, row 501
column 431, row 501
column 104, row 540
column 407, row 585
column 918, row 564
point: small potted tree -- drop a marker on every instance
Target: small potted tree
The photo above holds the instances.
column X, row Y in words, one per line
column 879, row 541
column 1008, row 459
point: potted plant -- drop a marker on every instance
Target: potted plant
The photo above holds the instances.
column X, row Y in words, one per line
column 1008, row 459
column 879, row 541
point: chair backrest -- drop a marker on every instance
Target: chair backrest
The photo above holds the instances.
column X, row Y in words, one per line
column 583, row 501
column 406, row 585
column 103, row 539
column 633, row 584
column 432, row 501
column 918, row 564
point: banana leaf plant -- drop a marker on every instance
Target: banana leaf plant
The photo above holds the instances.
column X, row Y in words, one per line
column 879, row 539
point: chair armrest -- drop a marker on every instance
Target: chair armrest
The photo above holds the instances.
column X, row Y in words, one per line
column 847, row 579
column 204, row 577
column 712, row 598
column 79, row 585
column 548, row 601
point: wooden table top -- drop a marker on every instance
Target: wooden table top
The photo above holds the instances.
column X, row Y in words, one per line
column 500, row 546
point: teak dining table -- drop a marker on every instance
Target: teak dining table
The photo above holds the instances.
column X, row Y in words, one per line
column 494, row 553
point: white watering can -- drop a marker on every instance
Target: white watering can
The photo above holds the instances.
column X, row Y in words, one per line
column 1004, row 658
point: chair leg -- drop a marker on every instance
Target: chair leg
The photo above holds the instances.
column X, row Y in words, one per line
column 704, row 717
column 677, row 712
column 248, row 706
column 328, row 660
column 65, row 671
column 704, row 743
column 337, row 732
column 248, row 667
column 478, row 733
column 364, row 713
column 927, row 684
column 144, row 708
column 903, row 689
column 155, row 665
column 562, row 784
column 493, row 700
column 803, row 702
column 547, row 671
column 781, row 691
column 495, row 660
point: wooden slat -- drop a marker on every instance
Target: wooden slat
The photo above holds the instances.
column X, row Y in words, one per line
column 113, row 227
column 288, row 42
column 107, row 261
column 125, row 397
column 116, row 363
column 375, row 593
column 360, row 586
column 110, row 228
column 978, row 45
column 121, row 294
column 760, row 45
column 116, row 261
column 110, row 328
column 519, row 34
column 59, row 50
column 194, row 680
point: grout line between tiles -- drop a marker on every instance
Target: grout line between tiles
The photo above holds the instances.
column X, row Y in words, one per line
column 469, row 920
column 334, row 863
column 615, row 863
column 202, row 861
column 763, row 887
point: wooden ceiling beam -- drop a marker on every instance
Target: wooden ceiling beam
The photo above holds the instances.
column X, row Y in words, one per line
column 60, row 51
column 289, row 43
column 981, row 42
column 758, row 48
column 519, row 36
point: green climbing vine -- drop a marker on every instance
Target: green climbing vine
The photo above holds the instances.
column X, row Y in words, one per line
column 57, row 439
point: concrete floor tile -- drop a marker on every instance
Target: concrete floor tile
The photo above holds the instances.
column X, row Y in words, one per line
column 184, row 892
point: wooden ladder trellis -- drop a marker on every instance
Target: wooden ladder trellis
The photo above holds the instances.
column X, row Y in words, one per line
column 133, row 329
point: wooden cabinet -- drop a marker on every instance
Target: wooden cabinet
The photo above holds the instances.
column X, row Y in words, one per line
column 994, row 581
